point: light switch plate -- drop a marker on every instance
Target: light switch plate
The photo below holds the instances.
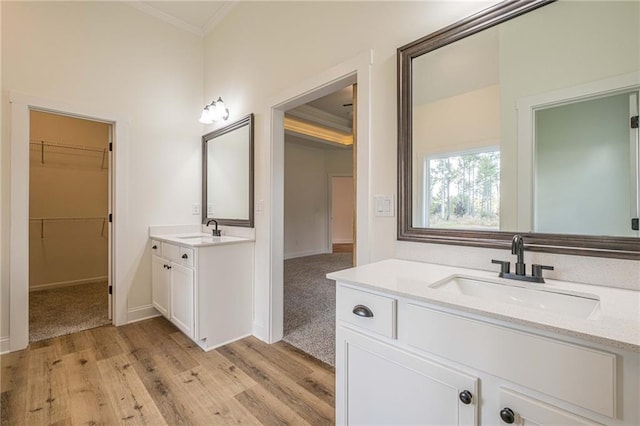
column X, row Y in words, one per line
column 195, row 208
column 384, row 205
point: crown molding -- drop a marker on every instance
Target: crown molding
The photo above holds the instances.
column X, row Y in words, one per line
column 316, row 115
column 159, row 14
column 219, row 15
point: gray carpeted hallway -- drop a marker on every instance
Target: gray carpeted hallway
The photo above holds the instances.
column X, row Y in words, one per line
column 310, row 303
column 65, row 310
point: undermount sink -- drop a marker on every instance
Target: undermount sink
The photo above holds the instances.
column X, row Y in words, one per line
column 188, row 237
column 536, row 296
column 204, row 239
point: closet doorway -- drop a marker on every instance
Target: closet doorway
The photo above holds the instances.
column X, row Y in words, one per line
column 69, row 230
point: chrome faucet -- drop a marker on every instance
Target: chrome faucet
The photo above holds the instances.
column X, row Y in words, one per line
column 517, row 248
column 215, row 232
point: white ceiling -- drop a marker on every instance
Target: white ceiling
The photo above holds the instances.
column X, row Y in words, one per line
column 339, row 103
column 198, row 17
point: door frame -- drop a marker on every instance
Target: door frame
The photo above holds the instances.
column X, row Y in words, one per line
column 21, row 105
column 269, row 262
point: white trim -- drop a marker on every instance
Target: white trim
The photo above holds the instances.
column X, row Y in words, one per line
column 5, row 345
column 163, row 16
column 219, row 16
column 271, row 255
column 526, row 108
column 21, row 104
column 296, row 254
column 60, row 284
column 316, row 115
column 142, row 313
column 343, row 241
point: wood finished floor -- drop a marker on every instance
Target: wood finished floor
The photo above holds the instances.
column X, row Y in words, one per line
column 148, row 373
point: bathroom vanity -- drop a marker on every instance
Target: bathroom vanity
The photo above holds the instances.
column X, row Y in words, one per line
column 420, row 343
column 204, row 285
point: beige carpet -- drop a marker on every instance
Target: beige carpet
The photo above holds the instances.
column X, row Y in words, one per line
column 67, row 310
column 310, row 303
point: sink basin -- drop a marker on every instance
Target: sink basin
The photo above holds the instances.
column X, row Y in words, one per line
column 535, row 296
column 201, row 239
column 188, row 237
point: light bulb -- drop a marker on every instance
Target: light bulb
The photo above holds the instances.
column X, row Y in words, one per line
column 206, row 117
column 220, row 112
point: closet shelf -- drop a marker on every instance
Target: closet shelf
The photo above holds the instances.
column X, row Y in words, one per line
column 43, row 220
column 44, row 144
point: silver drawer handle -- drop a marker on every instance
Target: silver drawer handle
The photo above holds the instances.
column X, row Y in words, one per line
column 362, row 311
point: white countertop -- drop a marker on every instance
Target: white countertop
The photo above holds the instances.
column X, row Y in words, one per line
column 197, row 239
column 617, row 324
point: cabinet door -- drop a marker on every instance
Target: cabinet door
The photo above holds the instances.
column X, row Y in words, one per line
column 160, row 285
column 182, row 298
column 518, row 409
column 378, row 384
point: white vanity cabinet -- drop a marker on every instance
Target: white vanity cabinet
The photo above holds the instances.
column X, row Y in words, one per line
column 173, row 284
column 405, row 361
column 377, row 382
column 207, row 292
column 382, row 384
column 160, row 279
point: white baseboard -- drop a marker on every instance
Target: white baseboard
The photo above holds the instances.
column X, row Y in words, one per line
column 225, row 343
column 343, row 241
column 5, row 345
column 305, row 253
column 141, row 313
column 261, row 332
column 49, row 286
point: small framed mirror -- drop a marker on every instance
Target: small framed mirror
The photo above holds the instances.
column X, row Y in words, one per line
column 227, row 174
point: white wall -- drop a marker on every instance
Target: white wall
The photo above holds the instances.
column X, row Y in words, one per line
column 108, row 56
column 306, row 197
column 342, row 209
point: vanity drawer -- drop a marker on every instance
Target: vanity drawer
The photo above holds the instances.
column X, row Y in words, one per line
column 156, row 248
column 367, row 310
column 186, row 256
column 170, row 252
column 588, row 375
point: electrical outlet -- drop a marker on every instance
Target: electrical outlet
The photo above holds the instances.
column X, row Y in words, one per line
column 195, row 208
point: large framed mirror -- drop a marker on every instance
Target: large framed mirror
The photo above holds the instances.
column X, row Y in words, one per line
column 523, row 119
column 227, row 174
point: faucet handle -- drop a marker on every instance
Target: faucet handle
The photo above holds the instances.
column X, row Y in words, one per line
column 505, row 266
column 536, row 270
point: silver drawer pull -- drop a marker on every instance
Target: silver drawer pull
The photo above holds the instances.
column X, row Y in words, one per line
column 362, row 311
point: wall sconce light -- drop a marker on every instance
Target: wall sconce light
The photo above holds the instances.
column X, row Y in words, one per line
column 215, row 111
